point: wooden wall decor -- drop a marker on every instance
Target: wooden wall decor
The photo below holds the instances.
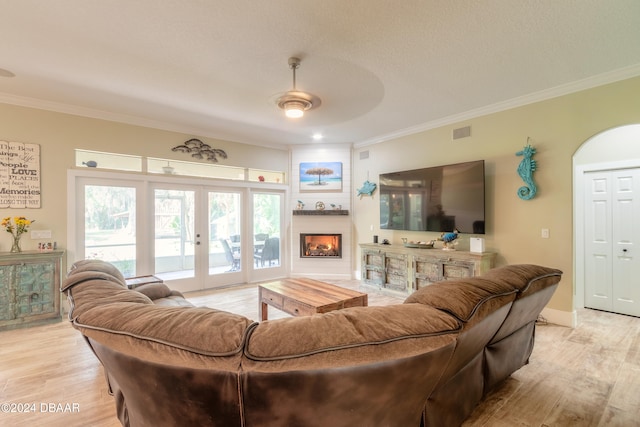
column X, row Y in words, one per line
column 19, row 175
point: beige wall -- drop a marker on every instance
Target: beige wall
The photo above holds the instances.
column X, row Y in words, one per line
column 557, row 128
column 59, row 134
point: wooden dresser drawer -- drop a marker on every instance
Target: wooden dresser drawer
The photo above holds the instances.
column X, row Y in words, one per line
column 272, row 298
column 296, row 308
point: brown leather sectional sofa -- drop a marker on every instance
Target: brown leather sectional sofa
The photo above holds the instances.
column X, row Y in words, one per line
column 428, row 361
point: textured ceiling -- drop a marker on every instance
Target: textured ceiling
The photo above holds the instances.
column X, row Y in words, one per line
column 382, row 68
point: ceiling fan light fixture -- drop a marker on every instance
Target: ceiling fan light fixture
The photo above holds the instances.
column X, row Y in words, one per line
column 295, row 103
column 294, row 109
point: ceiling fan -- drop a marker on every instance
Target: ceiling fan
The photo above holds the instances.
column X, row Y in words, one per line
column 294, row 102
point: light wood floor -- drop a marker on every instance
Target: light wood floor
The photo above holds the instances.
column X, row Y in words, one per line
column 587, row 376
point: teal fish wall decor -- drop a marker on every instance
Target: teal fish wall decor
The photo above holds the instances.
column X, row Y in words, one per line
column 525, row 169
column 367, row 188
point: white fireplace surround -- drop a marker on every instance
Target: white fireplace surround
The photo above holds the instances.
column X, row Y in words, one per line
column 322, row 267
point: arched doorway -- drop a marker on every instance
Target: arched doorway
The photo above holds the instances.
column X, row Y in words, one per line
column 602, row 258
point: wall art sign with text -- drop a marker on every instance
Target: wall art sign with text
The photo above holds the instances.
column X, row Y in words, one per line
column 19, row 175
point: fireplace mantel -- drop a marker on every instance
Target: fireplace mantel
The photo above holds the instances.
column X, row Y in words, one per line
column 321, row 212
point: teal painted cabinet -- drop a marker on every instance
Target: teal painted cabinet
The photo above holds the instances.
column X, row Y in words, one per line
column 29, row 288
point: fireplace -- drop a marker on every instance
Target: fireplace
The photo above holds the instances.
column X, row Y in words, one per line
column 320, row 245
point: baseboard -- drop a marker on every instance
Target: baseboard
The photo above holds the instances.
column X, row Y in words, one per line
column 559, row 317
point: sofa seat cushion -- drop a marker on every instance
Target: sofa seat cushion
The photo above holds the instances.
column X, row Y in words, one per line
column 464, row 298
column 350, row 336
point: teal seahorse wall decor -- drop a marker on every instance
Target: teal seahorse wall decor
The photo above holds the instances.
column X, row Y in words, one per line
column 525, row 169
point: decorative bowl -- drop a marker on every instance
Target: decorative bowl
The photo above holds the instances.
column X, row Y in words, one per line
column 419, row 245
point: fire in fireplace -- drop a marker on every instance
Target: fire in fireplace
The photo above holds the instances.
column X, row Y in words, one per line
column 320, row 245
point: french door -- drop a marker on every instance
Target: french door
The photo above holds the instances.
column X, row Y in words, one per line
column 192, row 236
column 174, row 235
column 197, row 236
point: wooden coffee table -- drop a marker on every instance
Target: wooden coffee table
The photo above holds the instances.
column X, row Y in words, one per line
column 304, row 297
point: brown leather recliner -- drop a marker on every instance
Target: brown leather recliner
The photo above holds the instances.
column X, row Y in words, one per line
column 425, row 361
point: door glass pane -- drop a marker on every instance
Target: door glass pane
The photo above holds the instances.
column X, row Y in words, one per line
column 224, row 232
column 266, row 230
column 174, row 234
column 110, row 226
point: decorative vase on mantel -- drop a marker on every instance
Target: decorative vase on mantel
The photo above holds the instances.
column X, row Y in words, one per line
column 15, row 247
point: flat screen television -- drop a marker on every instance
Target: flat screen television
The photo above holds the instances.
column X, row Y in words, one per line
column 441, row 198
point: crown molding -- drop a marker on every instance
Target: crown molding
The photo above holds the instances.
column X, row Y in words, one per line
column 554, row 92
column 565, row 89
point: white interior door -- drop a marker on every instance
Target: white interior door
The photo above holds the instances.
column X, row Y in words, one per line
column 626, row 234
column 612, row 202
column 598, row 245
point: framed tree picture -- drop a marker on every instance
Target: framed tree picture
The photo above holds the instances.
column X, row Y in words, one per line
column 321, row 176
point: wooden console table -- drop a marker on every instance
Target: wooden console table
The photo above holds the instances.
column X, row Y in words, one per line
column 304, row 297
column 402, row 269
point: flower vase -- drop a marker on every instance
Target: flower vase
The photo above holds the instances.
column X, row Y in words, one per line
column 16, row 245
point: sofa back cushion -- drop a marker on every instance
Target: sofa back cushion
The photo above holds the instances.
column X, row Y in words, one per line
column 349, row 336
column 187, row 336
column 97, row 266
column 90, row 291
column 360, row 366
column 128, row 320
column 535, row 285
column 469, row 300
column 526, row 278
column 481, row 305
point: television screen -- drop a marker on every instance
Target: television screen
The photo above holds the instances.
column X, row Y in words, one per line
column 441, row 198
